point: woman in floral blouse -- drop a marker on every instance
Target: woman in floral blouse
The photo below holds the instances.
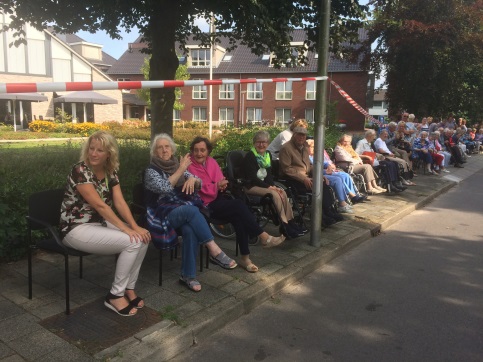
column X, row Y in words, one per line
column 88, row 222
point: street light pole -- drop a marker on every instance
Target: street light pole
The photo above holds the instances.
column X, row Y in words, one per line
column 320, row 121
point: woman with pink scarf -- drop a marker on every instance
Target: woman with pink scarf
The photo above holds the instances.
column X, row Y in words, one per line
column 233, row 210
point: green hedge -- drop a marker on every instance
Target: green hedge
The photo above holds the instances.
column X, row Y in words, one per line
column 27, row 170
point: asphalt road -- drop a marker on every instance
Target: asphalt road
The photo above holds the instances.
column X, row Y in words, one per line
column 414, row 293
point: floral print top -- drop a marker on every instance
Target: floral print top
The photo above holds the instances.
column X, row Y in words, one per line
column 75, row 210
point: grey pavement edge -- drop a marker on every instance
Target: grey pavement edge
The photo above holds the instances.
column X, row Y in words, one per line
column 226, row 295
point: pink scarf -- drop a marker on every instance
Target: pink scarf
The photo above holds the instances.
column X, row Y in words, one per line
column 209, row 173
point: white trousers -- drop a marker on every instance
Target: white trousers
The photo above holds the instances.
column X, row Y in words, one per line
column 97, row 239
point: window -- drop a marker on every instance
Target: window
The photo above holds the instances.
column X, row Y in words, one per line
column 254, row 115
column 284, row 91
column 283, row 115
column 377, row 104
column 176, row 115
column 254, row 91
column 310, row 89
column 61, row 63
column 226, row 115
column 200, row 57
column 309, row 115
column 82, row 72
column 199, row 92
column 199, row 114
column 227, row 91
column 15, row 55
column 36, row 51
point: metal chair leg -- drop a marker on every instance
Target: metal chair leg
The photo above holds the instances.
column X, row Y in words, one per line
column 67, row 292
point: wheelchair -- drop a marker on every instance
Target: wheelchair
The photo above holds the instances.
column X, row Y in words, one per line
column 262, row 206
column 302, row 199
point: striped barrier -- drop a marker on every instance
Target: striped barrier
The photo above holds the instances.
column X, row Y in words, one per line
column 351, row 101
column 92, row 86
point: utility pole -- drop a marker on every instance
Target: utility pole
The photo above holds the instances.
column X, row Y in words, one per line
column 320, row 121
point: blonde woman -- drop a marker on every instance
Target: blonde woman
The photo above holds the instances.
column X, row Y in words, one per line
column 89, row 223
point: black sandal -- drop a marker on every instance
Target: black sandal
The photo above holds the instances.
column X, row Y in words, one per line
column 135, row 302
column 124, row 312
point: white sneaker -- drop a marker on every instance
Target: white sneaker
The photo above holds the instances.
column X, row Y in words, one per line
column 345, row 209
column 445, row 170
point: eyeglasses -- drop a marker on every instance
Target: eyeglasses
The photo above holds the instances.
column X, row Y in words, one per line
column 261, row 142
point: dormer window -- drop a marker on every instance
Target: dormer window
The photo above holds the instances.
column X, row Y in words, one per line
column 200, row 57
column 298, row 50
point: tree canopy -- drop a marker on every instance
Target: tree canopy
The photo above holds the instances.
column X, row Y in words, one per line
column 263, row 25
column 431, row 51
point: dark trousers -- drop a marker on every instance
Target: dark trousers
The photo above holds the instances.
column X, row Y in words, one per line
column 239, row 215
column 390, row 170
column 328, row 199
column 456, row 154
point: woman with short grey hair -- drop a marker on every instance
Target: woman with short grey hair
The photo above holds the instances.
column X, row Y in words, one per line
column 257, row 167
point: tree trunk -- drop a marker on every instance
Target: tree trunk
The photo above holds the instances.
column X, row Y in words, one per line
column 163, row 65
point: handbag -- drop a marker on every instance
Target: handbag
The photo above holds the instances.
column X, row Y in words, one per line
column 372, row 155
column 163, row 235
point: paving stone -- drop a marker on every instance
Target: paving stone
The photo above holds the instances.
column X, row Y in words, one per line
column 67, row 353
column 5, row 351
column 234, row 286
column 164, row 298
column 18, row 326
column 37, row 344
column 215, row 278
column 188, row 309
column 9, row 310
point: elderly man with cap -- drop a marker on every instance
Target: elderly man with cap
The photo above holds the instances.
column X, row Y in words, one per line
column 295, row 166
column 283, row 137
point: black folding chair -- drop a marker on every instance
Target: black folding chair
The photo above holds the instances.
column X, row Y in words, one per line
column 44, row 214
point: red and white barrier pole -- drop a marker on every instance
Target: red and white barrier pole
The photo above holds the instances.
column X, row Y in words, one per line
column 92, row 86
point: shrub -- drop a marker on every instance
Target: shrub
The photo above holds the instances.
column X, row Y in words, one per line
column 27, row 170
column 83, row 129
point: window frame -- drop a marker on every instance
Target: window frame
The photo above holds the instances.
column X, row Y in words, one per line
column 199, row 111
column 197, row 62
column 226, row 91
column 283, row 91
column 252, row 94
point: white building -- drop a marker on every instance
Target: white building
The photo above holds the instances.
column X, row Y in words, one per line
column 48, row 58
column 379, row 106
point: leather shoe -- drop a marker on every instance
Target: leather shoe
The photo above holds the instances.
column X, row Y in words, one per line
column 328, row 221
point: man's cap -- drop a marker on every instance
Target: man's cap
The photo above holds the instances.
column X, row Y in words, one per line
column 302, row 130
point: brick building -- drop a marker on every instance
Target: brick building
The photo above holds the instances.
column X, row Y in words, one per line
column 239, row 104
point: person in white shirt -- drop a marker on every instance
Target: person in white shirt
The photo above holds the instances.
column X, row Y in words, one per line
column 283, row 137
column 381, row 147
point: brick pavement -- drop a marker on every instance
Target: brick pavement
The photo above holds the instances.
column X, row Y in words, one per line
column 191, row 316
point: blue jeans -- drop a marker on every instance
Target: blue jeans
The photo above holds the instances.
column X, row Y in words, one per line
column 338, row 186
column 195, row 231
column 347, row 181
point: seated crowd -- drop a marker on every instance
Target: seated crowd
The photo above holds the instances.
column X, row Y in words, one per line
column 181, row 193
